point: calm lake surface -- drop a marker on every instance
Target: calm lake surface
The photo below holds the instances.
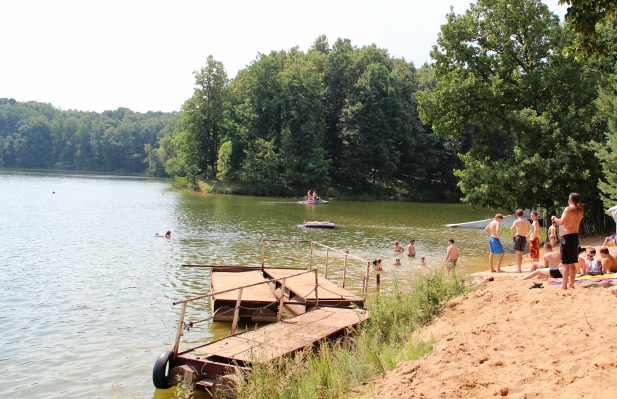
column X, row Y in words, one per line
column 86, row 289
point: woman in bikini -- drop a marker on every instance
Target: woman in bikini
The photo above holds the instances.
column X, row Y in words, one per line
column 552, row 235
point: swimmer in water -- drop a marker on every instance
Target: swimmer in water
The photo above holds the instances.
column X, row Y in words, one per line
column 166, row 235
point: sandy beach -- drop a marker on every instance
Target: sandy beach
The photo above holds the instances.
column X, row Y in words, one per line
column 505, row 339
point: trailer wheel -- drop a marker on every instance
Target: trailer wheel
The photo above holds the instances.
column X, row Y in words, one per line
column 161, row 369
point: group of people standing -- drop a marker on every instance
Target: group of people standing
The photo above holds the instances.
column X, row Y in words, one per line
column 521, row 229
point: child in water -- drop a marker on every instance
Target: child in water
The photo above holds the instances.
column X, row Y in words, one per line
column 377, row 265
column 166, row 235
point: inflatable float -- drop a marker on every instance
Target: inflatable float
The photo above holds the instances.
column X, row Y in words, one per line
column 313, row 202
column 319, row 225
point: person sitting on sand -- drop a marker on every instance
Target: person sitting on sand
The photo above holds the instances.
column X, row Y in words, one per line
column 411, row 248
column 551, row 258
column 608, row 262
column 594, row 267
column 554, row 272
column 377, row 265
column 397, row 262
column 397, row 247
column 610, row 239
column 166, row 235
column 546, row 272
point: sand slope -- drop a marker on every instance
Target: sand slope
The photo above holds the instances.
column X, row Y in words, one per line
column 508, row 340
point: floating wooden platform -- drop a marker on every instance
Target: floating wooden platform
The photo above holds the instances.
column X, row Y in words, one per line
column 300, row 292
column 258, row 302
column 209, row 363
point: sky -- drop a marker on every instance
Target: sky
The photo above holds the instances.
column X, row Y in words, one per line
column 99, row 55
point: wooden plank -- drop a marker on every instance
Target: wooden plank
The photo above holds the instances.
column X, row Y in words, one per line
column 303, row 286
column 222, row 281
column 284, row 337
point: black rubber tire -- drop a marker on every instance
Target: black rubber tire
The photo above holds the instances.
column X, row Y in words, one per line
column 160, row 372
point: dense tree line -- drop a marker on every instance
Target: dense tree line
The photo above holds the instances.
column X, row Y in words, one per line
column 510, row 67
column 337, row 116
column 38, row 135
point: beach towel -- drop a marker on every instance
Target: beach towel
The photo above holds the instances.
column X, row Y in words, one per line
column 611, row 277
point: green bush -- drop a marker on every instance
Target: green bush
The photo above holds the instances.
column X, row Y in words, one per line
column 335, row 369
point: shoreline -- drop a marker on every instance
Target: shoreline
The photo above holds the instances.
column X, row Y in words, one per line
column 505, row 339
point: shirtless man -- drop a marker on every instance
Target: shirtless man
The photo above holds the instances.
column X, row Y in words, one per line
column 451, row 255
column 494, row 243
column 411, row 249
column 397, row 247
column 608, row 262
column 551, row 259
column 569, row 223
column 522, row 228
column 534, row 238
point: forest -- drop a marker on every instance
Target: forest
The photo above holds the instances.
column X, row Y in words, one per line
column 516, row 109
column 38, row 135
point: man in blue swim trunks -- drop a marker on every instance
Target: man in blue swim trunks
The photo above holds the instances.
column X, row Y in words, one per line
column 494, row 243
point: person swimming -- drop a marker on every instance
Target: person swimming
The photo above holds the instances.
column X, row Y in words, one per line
column 166, row 235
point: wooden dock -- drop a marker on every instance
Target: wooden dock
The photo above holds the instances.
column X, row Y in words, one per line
column 301, row 295
column 207, row 365
column 260, row 293
column 258, row 302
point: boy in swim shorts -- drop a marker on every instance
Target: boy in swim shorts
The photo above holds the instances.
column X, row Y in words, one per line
column 494, row 243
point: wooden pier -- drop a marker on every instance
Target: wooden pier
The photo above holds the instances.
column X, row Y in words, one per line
column 259, row 293
column 258, row 302
column 301, row 291
column 209, row 366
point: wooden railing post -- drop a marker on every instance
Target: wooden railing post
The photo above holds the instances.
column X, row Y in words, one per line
column 311, row 257
column 234, row 324
column 316, row 290
column 365, row 288
column 263, row 253
column 179, row 333
column 282, row 300
column 327, row 253
column 345, row 267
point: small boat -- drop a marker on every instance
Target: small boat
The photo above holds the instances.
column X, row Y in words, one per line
column 319, row 225
column 318, row 202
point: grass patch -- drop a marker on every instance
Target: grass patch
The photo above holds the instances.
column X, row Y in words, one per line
column 338, row 368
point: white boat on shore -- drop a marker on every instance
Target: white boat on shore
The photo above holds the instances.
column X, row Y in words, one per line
column 481, row 224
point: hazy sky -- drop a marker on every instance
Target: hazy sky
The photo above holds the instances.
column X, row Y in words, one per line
column 98, row 55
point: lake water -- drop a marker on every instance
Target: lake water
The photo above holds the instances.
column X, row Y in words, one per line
column 86, row 289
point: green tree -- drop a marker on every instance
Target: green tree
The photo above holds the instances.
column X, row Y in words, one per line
column 585, row 16
column 503, row 66
column 261, row 168
column 205, row 114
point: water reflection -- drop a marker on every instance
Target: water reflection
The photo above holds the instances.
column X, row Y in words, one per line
column 87, row 289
